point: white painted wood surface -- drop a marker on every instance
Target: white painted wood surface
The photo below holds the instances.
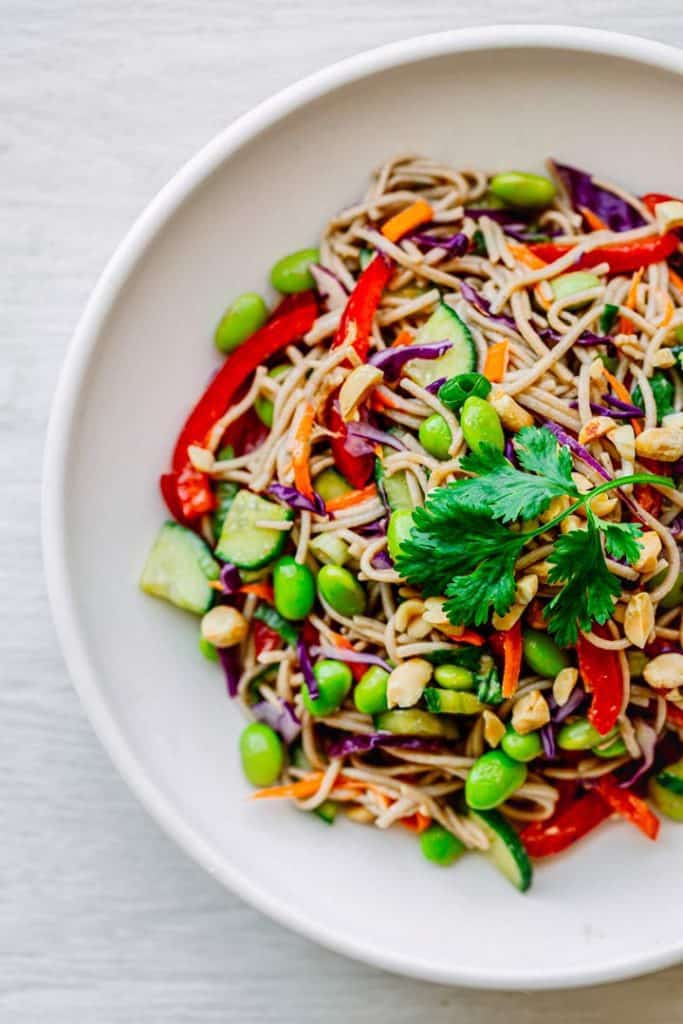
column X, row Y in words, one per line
column 102, row 919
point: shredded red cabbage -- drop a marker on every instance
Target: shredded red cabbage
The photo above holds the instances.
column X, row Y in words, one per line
column 377, row 528
column 306, row 667
column 603, row 410
column 551, row 337
column 647, row 740
column 230, row 578
column 576, row 698
column 353, row 657
column 281, row 716
column 361, row 744
column 548, row 740
column 392, row 360
column 295, row 499
column 228, row 657
column 584, row 192
column 382, row 560
column 510, row 453
column 456, row 245
column 330, row 289
column 619, row 403
column 435, row 385
column 370, row 433
column 483, row 306
column 577, row 449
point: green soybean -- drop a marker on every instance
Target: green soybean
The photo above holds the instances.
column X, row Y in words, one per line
column 294, row 587
column 207, row 649
column 400, row 525
column 370, row 695
column 518, row 188
column 341, row 590
column 542, row 654
column 492, row 779
column 521, row 748
column 578, row 735
column 261, row 753
column 334, row 680
column 454, row 677
column 578, row 281
column 292, row 273
column 241, row 319
column 263, row 407
column 480, row 424
column 440, row 846
column 330, row 484
column 616, row 748
column 435, row 436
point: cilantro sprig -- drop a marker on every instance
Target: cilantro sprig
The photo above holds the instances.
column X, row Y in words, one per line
column 460, row 544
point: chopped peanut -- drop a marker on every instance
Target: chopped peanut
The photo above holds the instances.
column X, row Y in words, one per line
column 494, row 729
column 434, row 613
column 597, row 426
column 673, row 419
column 565, row 681
column 572, row 522
column 662, row 443
column 664, row 359
column 224, row 626
column 555, row 508
column 639, row 619
column 508, row 620
column 356, row 388
column 665, row 671
column 406, row 612
column 407, row 682
column 511, row 414
column 624, row 440
column 530, row 712
column 650, row 546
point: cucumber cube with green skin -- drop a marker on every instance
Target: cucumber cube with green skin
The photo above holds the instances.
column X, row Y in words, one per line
column 245, row 544
column 451, row 702
column 413, row 722
column 505, row 848
column 178, row 569
column 443, row 325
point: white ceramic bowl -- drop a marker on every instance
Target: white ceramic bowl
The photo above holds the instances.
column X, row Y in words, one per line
column 500, row 97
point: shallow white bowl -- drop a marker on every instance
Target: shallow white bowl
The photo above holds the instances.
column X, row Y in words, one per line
column 501, row 97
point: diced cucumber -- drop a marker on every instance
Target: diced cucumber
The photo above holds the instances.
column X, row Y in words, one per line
column 443, row 325
column 666, row 800
column 671, row 778
column 242, row 542
column 505, row 848
column 178, row 569
column 271, row 617
column 451, row 702
column 395, row 487
column 412, row 722
column 330, row 484
column 327, row 811
column 225, row 492
column 330, row 550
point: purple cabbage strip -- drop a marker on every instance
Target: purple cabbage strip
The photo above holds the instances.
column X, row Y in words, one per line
column 356, row 446
column 392, row 360
column 433, row 388
column 483, row 306
column 361, row 744
column 576, row 448
column 377, row 528
column 676, row 527
column 306, row 667
column 548, row 741
column 281, row 717
column 456, row 245
column 576, row 698
column 647, row 739
column 510, row 453
column 619, row 403
column 228, row 657
column 603, row 410
column 583, row 191
column 370, row 433
column 329, row 287
column 382, row 560
column 551, row 337
column 230, row 578
column 296, row 500
column 353, row 657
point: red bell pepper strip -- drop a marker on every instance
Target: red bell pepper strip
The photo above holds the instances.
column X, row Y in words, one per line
column 356, row 468
column 284, row 328
column 356, row 321
column 571, row 822
column 601, row 674
column 628, row 805
column 168, row 484
column 653, row 199
column 265, row 638
column 507, row 643
column 674, row 715
column 622, row 257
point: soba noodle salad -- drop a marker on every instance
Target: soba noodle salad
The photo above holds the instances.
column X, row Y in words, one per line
column 429, row 510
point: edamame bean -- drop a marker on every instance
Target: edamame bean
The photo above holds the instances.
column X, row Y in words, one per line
column 617, row 748
column 675, row 595
column 263, row 407
column 542, row 654
column 294, row 588
column 435, row 436
column 492, row 779
column 334, row 680
column 400, row 525
column 370, row 695
column 341, row 590
column 261, row 753
column 440, row 846
column 291, row 273
column 571, row 284
column 578, row 735
column 521, row 748
column 241, row 319
column 480, row 424
column 454, row 677
column 518, row 188
column 207, row 648
column 330, row 484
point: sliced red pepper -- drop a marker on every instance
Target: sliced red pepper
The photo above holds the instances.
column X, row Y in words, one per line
column 265, row 638
column 674, row 715
column 284, row 328
column 356, row 468
column 628, row 805
column 168, row 485
column 649, row 499
column 571, row 822
column 355, row 325
column 508, row 644
column 601, row 674
column 653, row 199
column 622, row 258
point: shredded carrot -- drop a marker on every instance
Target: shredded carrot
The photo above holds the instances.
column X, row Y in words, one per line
column 357, row 670
column 668, row 312
column 403, row 337
column 405, row 220
column 296, row 790
column 524, row 255
column 649, row 499
column 381, row 400
column 417, row 822
column 351, row 499
column 496, row 363
column 260, row 589
column 621, row 392
column 676, row 279
column 467, row 636
column 216, row 585
column 300, row 449
column 625, row 324
column 594, row 222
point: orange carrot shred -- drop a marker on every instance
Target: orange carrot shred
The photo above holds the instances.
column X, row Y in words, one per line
column 524, row 255
column 259, row 589
column 351, row 499
column 496, row 364
column 296, row 790
column 594, row 222
column 417, row 822
column 467, row 636
column 403, row 337
column 676, row 279
column 405, row 220
column 300, row 449
column 625, row 324
column 668, row 312
column 621, row 392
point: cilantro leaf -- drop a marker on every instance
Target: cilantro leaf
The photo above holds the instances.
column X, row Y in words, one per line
column 491, row 585
column 539, row 451
column 622, row 540
column 589, row 590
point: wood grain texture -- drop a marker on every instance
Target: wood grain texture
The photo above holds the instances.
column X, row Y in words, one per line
column 102, row 919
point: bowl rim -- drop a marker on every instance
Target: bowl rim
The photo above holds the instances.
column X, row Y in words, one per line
column 120, row 267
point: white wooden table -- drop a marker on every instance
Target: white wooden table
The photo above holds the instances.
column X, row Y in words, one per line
column 102, row 919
